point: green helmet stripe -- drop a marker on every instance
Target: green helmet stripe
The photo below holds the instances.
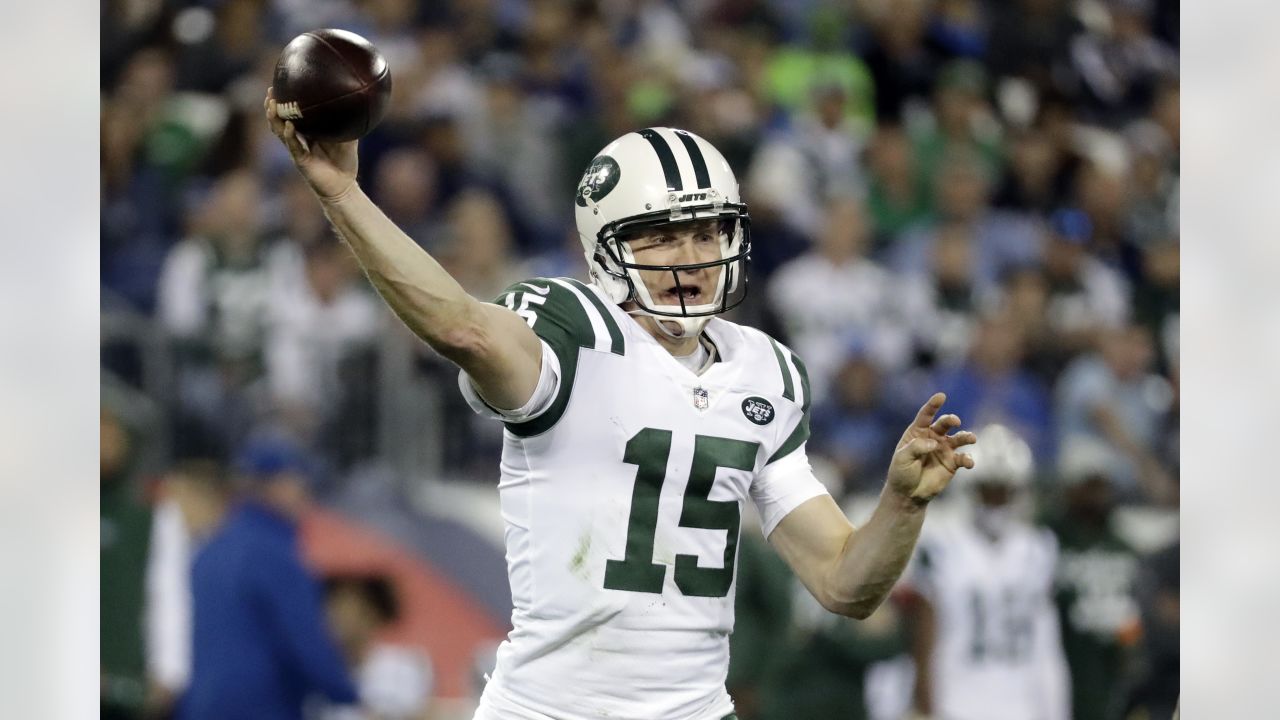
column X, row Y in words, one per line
column 666, row 157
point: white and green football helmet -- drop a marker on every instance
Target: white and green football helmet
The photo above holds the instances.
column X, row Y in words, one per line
column 1000, row 457
column 654, row 177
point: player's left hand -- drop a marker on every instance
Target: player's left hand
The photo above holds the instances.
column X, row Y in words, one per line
column 927, row 457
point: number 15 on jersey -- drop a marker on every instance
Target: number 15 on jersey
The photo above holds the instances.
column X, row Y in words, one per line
column 649, row 450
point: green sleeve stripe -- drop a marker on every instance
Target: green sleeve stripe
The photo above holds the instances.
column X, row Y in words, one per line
column 797, row 438
column 804, row 383
column 565, row 324
column 800, row 434
column 568, row 357
column 788, row 387
column 616, row 345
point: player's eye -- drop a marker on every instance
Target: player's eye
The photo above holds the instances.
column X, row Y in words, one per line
column 706, row 238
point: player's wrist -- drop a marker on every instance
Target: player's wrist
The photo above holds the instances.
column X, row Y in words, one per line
column 333, row 199
column 903, row 502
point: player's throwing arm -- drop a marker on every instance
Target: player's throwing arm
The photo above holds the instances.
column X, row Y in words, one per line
column 493, row 344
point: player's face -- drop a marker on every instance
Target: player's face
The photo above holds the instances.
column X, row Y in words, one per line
column 994, row 494
column 689, row 243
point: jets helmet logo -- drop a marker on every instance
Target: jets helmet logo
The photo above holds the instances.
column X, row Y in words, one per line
column 599, row 179
column 758, row 410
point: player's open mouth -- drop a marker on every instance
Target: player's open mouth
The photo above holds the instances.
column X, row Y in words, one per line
column 692, row 295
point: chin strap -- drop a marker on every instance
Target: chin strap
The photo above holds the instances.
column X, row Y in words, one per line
column 687, row 325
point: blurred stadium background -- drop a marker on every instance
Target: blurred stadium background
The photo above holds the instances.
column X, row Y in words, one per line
column 974, row 196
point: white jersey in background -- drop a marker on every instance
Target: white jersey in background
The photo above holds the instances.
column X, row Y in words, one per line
column 622, row 499
column 998, row 651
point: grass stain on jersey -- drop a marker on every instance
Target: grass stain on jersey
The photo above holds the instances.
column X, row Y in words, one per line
column 578, row 564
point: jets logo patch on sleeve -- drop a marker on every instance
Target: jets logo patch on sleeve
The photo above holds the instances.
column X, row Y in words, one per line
column 758, row 410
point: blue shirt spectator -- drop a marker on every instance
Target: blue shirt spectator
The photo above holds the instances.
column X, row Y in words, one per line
column 261, row 646
column 992, row 387
column 1113, row 398
column 853, row 425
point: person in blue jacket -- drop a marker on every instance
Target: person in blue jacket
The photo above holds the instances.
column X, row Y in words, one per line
column 261, row 647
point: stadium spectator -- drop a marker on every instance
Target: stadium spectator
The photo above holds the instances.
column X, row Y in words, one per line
column 194, row 499
column 1036, row 179
column 1156, row 301
column 125, row 526
column 1150, row 218
column 294, row 221
column 1030, row 38
column 516, row 146
column 815, row 161
column 406, row 186
column 1096, row 590
column 962, row 122
column 479, row 250
column 1121, row 67
column 1156, row 692
column 138, row 200
column 446, row 88
column 260, row 647
column 215, row 303
column 895, row 195
column 395, row 682
column 902, row 66
column 1103, row 191
column 212, row 60
column 1166, row 111
column 1112, row 397
column 391, row 28
column 851, row 421
column 1024, row 297
column 962, row 192
column 960, row 28
column 822, row 662
column 1086, row 296
column 993, row 387
column 857, row 298
column 762, row 605
column 317, row 326
column 945, row 298
column 440, row 134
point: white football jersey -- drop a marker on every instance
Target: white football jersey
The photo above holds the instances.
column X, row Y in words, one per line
column 998, row 652
column 622, row 504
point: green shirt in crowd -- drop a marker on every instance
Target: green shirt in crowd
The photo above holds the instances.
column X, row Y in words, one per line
column 1098, row 607
column 789, row 657
column 125, row 537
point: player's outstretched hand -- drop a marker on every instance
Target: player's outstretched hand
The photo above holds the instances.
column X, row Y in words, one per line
column 329, row 168
column 927, row 456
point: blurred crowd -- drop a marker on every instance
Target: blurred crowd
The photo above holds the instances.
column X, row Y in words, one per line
column 974, row 196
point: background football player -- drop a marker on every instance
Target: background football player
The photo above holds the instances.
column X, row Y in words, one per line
column 987, row 644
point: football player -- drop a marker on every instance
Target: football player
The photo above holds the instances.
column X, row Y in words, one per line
column 638, row 423
column 987, row 641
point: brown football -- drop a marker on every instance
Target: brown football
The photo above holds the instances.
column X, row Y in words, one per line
column 333, row 84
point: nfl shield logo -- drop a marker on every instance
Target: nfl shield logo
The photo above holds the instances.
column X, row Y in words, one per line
column 701, row 399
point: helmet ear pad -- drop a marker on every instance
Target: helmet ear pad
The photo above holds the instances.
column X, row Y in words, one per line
column 602, row 269
column 729, row 247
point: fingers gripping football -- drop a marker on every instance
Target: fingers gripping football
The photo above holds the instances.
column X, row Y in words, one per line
column 927, row 456
column 330, row 168
column 284, row 129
